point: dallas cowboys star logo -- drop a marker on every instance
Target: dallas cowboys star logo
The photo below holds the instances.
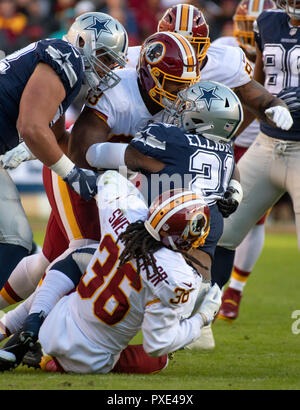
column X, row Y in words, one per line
column 63, row 60
column 99, row 26
column 208, row 96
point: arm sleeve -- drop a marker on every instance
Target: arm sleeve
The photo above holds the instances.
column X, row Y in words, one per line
column 164, row 332
column 106, row 155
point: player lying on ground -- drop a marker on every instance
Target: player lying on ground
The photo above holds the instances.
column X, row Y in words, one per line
column 167, row 151
column 140, row 277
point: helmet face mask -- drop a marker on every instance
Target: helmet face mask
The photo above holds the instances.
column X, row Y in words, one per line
column 167, row 64
column 292, row 7
column 188, row 21
column 208, row 108
column 102, row 42
column 179, row 219
column 246, row 13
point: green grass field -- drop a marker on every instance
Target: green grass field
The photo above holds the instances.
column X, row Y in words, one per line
column 258, row 352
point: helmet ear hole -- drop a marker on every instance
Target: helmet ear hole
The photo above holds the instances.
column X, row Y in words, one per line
column 81, row 42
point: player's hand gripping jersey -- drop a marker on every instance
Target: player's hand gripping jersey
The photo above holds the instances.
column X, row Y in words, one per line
column 15, row 71
column 111, row 305
column 281, row 50
column 192, row 161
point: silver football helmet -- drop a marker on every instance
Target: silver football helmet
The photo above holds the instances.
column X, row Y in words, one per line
column 208, row 108
column 292, row 7
column 103, row 42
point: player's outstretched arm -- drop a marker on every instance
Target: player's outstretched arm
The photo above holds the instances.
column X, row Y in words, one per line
column 264, row 105
column 110, row 155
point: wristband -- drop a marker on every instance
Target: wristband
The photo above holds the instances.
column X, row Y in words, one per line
column 238, row 190
column 63, row 166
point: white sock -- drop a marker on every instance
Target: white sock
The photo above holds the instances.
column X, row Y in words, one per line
column 55, row 285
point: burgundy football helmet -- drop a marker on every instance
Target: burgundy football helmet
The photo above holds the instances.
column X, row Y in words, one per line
column 247, row 11
column 179, row 219
column 188, row 21
column 166, row 57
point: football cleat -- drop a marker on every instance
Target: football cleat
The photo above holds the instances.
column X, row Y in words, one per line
column 14, row 350
column 34, row 356
column 230, row 304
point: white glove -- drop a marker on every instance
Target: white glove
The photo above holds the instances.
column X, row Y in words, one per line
column 211, row 304
column 280, row 116
column 13, row 158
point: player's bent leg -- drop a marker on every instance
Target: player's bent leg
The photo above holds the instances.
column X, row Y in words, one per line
column 23, row 280
column 134, row 359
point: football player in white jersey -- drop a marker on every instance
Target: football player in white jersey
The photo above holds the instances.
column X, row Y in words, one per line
column 195, row 154
column 249, row 250
column 139, row 277
column 225, row 64
column 170, row 64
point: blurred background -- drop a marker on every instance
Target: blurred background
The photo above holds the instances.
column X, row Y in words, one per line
column 26, row 21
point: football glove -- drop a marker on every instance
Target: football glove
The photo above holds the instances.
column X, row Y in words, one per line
column 13, row 158
column 291, row 96
column 231, row 200
column 83, row 182
column 280, row 116
column 210, row 305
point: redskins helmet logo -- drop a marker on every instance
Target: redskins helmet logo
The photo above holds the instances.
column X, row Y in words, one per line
column 197, row 224
column 155, row 52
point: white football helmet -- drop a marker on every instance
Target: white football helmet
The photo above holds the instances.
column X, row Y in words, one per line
column 292, row 7
column 103, row 42
column 208, row 108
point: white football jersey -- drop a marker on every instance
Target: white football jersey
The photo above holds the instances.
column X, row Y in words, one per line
column 246, row 138
column 88, row 329
column 122, row 107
